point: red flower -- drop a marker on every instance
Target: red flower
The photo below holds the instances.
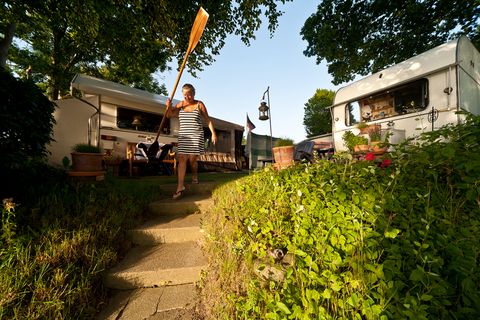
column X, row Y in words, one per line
column 385, row 163
column 369, row 156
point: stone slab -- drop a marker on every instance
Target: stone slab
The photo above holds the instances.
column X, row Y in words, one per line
column 165, row 264
column 151, row 303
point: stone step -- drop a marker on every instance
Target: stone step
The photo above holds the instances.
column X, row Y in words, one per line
column 186, row 205
column 203, row 188
column 169, row 302
column 168, row 229
column 160, row 265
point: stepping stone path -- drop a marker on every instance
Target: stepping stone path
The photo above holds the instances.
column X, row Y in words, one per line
column 157, row 277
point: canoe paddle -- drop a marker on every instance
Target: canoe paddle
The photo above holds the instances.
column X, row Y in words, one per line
column 195, row 34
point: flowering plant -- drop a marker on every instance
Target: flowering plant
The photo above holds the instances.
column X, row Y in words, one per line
column 386, row 162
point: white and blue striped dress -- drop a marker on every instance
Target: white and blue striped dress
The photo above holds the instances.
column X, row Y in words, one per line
column 190, row 135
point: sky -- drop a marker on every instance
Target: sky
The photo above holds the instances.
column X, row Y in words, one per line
column 233, row 85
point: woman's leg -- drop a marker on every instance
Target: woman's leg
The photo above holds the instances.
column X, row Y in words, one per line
column 194, row 167
column 181, row 170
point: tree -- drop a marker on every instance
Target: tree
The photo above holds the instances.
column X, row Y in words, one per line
column 317, row 119
column 26, row 121
column 363, row 37
column 124, row 41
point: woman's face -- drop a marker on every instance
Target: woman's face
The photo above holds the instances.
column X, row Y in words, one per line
column 188, row 95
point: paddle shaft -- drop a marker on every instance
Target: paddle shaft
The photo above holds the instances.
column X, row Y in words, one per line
column 195, row 34
column 172, row 94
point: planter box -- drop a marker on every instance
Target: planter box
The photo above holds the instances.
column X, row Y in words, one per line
column 283, row 156
column 361, row 148
column 87, row 162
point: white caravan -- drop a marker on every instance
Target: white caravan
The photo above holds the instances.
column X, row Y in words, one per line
column 420, row 94
column 117, row 117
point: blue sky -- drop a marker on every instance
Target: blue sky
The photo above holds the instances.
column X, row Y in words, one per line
column 234, row 84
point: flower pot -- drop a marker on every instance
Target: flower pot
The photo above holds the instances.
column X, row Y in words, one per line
column 361, row 148
column 87, row 162
column 376, row 148
column 283, row 156
column 370, row 129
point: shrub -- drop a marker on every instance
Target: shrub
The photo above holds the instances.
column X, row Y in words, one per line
column 26, row 122
column 283, row 142
column 86, row 148
column 364, row 241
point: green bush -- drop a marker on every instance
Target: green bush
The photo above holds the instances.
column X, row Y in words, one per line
column 365, row 240
column 26, row 122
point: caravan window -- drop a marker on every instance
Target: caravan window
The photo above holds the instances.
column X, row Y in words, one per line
column 352, row 110
column 131, row 119
column 408, row 98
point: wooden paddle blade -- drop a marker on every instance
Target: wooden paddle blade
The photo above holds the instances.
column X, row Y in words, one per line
column 153, row 149
column 197, row 29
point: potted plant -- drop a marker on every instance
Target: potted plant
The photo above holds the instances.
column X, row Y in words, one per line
column 87, row 158
column 363, row 127
column 355, row 143
column 378, row 146
column 283, row 153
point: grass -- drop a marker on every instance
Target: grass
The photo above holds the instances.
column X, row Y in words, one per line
column 56, row 247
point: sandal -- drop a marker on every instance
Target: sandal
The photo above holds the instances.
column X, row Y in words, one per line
column 177, row 195
column 195, row 180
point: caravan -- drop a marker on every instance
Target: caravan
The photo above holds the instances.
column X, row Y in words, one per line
column 117, row 118
column 420, row 94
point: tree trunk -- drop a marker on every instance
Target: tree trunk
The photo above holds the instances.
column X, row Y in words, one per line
column 6, row 43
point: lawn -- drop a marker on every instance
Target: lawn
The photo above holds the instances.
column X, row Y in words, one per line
column 58, row 240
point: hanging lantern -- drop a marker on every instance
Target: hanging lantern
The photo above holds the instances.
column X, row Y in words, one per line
column 263, row 111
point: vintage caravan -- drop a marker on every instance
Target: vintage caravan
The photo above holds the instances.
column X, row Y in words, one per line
column 418, row 95
column 118, row 117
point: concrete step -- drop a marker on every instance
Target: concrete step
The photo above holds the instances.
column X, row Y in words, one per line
column 160, row 265
column 169, row 302
column 168, row 229
column 186, row 205
column 203, row 188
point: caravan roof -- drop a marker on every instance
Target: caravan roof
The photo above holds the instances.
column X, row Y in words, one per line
column 430, row 61
column 95, row 86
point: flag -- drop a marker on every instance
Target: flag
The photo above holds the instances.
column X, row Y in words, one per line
column 250, row 124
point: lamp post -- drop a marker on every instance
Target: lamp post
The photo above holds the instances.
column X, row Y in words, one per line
column 264, row 113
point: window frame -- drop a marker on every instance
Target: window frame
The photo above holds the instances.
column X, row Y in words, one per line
column 407, row 98
column 150, row 121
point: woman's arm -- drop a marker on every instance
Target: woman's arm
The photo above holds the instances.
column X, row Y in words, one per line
column 171, row 111
column 204, row 112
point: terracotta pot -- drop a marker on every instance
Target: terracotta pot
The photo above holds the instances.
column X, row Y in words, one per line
column 283, row 156
column 376, row 148
column 87, row 161
column 361, row 148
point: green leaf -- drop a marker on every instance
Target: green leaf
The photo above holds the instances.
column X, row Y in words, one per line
column 283, row 307
column 327, row 293
column 426, row 297
column 391, row 233
column 417, row 275
column 336, row 287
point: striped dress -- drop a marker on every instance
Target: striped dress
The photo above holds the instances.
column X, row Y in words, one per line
column 190, row 135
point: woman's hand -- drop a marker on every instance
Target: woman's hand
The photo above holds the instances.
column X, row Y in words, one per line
column 214, row 139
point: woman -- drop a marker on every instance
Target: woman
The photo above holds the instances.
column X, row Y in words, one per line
column 190, row 135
